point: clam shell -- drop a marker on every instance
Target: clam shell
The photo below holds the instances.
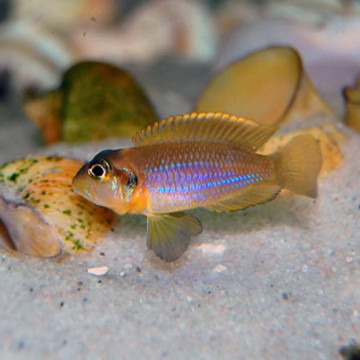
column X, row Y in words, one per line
column 269, row 86
column 352, row 103
column 95, row 101
column 39, row 212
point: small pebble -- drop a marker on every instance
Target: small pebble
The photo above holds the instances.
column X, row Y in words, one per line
column 320, row 292
column 219, row 268
column 128, row 266
column 98, row 271
column 212, row 249
column 286, row 295
column 355, row 316
column 305, row 268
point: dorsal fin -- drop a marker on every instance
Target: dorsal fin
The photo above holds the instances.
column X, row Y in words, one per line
column 209, row 127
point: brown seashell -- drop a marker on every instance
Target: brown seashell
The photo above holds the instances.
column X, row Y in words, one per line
column 39, row 212
column 352, row 103
column 95, row 101
column 44, row 111
column 269, row 86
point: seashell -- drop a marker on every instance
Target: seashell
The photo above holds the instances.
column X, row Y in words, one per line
column 95, row 101
column 180, row 28
column 329, row 46
column 33, row 55
column 36, row 52
column 352, row 103
column 98, row 271
column 66, row 14
column 39, row 212
column 269, row 86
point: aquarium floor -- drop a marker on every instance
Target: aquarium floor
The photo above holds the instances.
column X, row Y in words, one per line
column 277, row 281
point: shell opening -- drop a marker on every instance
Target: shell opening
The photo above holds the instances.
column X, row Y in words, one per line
column 5, row 238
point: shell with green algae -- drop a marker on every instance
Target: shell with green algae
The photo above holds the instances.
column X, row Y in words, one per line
column 352, row 104
column 94, row 101
column 269, row 86
column 39, row 212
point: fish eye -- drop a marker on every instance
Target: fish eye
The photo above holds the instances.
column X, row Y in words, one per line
column 99, row 171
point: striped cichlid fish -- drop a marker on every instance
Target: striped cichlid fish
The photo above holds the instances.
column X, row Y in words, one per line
column 196, row 160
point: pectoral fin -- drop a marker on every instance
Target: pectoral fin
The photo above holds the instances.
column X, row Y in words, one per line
column 169, row 235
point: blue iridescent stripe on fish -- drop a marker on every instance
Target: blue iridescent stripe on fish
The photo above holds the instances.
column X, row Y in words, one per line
column 178, row 185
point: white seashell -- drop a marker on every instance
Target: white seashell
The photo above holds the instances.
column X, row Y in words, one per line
column 35, row 56
column 65, row 14
column 98, row 271
column 173, row 27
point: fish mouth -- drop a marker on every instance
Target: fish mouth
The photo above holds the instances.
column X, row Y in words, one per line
column 85, row 193
column 80, row 187
column 88, row 194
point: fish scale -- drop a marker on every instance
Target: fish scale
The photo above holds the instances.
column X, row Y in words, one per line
column 184, row 175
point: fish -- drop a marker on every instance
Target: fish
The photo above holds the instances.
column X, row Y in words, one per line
column 193, row 160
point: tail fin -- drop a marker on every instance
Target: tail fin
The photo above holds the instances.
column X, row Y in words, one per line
column 297, row 165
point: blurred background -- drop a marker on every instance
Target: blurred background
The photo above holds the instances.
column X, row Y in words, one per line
column 172, row 47
column 274, row 282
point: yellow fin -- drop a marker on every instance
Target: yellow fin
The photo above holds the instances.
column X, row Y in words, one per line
column 252, row 195
column 297, row 165
column 212, row 127
column 169, row 234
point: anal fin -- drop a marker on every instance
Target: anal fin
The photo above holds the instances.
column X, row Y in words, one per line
column 169, row 234
column 251, row 195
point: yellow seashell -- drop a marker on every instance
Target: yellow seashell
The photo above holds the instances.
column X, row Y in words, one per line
column 39, row 212
column 352, row 104
column 269, row 86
